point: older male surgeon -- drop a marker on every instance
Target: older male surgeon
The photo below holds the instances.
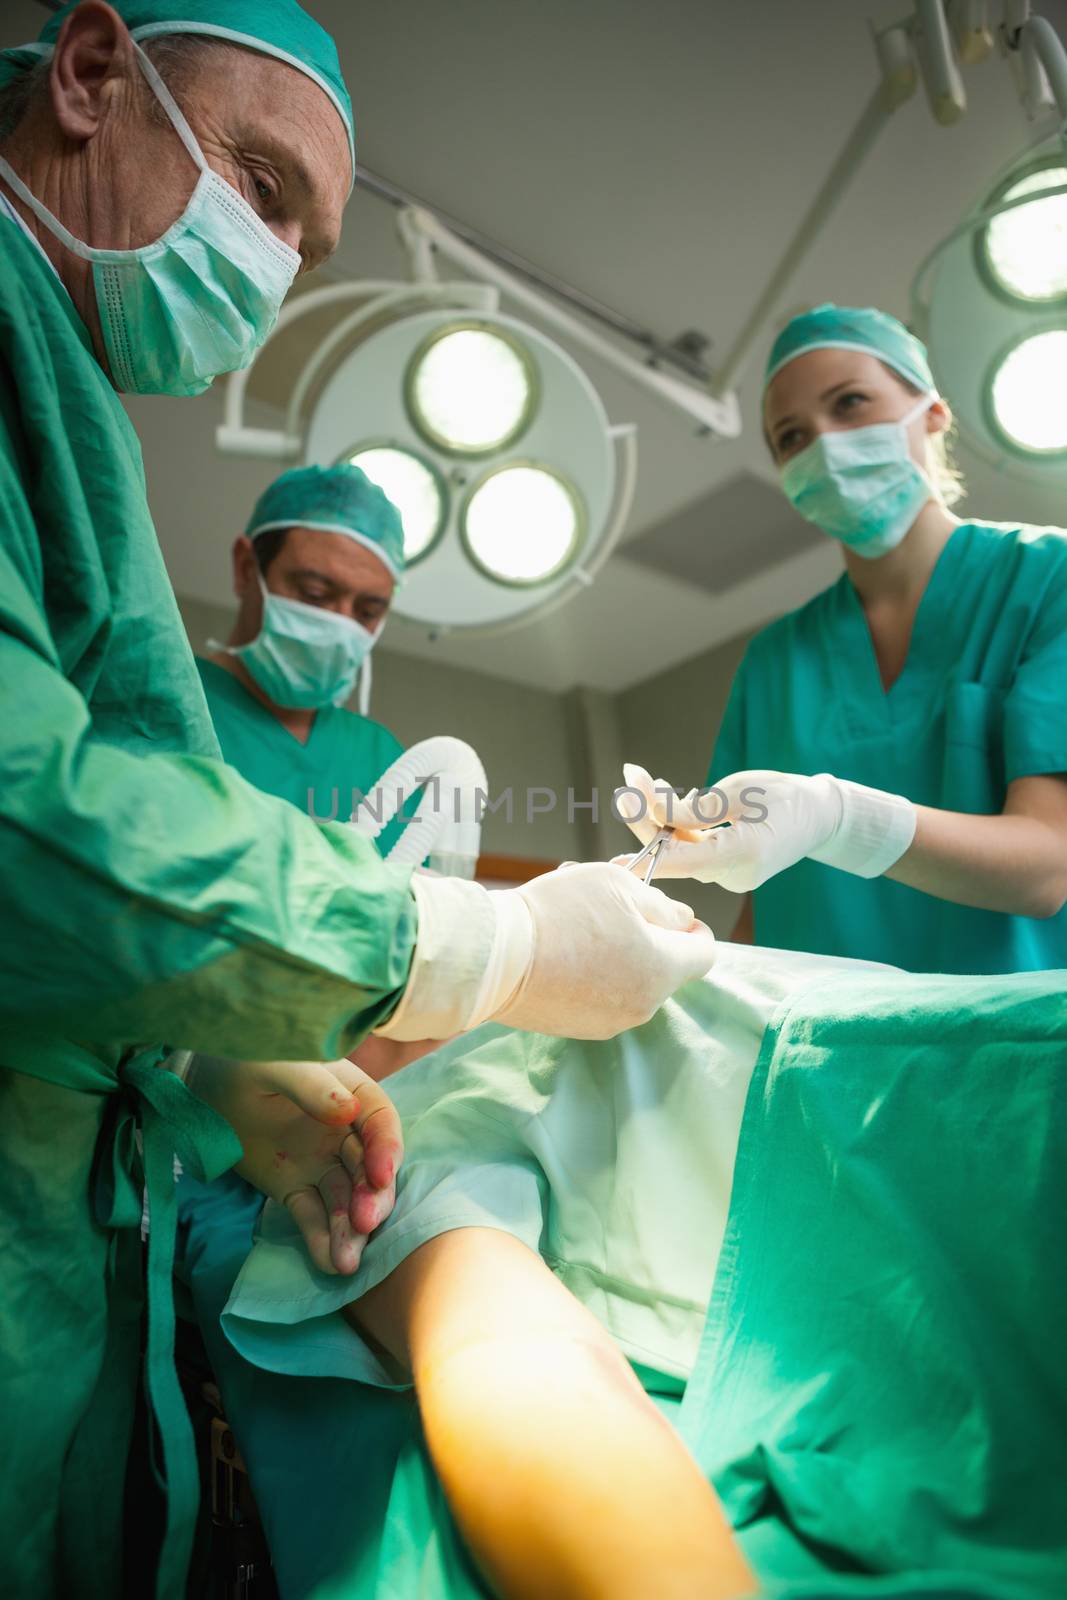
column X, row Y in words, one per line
column 167, row 167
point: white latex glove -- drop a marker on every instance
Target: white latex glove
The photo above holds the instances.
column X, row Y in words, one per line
column 608, row 950
column 776, row 819
column 324, row 1141
column 583, row 952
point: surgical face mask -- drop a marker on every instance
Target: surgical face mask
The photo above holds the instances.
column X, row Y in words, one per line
column 303, row 656
column 860, row 485
column 195, row 303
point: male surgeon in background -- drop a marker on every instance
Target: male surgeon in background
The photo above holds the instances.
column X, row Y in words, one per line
column 315, row 572
column 164, row 176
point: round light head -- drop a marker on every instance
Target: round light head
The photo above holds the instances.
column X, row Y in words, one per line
column 414, row 487
column 518, row 520
column 522, row 524
column 471, row 389
column 1028, row 394
column 1024, row 252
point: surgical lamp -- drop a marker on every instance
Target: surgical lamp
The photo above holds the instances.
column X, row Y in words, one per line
column 991, row 301
column 511, row 482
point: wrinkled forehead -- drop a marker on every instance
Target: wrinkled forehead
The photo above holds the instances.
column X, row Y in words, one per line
column 285, row 34
column 289, row 37
column 268, row 106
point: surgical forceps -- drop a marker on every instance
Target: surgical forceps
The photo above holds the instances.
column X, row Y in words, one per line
column 652, row 851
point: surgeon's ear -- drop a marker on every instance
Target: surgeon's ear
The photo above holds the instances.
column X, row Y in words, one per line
column 94, row 51
column 245, row 567
column 939, row 417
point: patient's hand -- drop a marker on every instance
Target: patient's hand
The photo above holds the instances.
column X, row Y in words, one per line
column 324, row 1141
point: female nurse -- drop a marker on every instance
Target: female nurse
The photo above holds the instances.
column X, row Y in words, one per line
column 893, row 758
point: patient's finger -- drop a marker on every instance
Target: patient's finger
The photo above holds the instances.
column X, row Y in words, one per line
column 370, row 1206
column 352, row 1156
column 380, row 1133
column 307, row 1210
column 346, row 1243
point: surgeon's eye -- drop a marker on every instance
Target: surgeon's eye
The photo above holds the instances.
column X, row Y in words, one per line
column 848, row 403
column 788, row 443
column 266, row 192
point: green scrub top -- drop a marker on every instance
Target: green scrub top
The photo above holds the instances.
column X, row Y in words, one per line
column 342, row 760
column 149, row 896
column 982, row 700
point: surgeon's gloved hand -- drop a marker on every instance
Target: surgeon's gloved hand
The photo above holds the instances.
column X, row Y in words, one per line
column 583, row 952
column 608, row 950
column 323, row 1140
column 776, row 819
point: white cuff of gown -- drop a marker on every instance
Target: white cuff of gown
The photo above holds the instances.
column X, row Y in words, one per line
column 874, row 831
column 472, row 950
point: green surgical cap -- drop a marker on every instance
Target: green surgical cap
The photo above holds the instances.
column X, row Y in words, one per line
column 831, row 327
column 278, row 28
column 335, row 500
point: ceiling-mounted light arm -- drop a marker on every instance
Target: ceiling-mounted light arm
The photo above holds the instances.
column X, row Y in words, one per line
column 719, row 415
column 934, row 47
column 418, row 247
column 676, row 353
column 929, row 39
column 859, row 142
column 232, row 437
column 1044, row 63
column 971, row 30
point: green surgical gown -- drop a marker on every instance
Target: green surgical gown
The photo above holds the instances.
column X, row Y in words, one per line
column 342, row 760
column 149, row 897
column 981, row 701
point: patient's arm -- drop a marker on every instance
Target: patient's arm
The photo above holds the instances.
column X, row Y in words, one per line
column 563, row 1476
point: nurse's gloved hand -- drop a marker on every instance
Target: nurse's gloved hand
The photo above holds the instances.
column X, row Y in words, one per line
column 775, row 820
column 323, row 1140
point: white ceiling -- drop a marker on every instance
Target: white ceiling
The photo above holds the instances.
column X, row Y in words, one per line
column 657, row 156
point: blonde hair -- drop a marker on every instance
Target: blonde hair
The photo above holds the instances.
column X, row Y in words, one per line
column 946, row 477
